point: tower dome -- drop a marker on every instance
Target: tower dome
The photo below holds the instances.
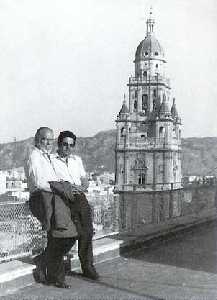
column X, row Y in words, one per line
column 150, row 46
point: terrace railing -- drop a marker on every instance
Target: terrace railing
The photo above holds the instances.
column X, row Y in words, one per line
column 21, row 233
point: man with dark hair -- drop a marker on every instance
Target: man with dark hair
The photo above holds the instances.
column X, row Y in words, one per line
column 61, row 230
column 64, row 134
column 69, row 169
column 58, row 213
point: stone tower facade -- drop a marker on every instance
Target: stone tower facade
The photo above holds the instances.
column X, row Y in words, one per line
column 148, row 145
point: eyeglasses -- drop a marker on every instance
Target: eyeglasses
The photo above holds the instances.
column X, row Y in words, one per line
column 68, row 144
column 48, row 140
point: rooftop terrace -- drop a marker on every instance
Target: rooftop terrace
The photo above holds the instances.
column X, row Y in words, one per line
column 179, row 266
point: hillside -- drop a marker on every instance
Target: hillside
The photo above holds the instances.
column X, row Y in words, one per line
column 199, row 155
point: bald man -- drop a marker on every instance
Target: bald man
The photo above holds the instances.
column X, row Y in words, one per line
column 39, row 172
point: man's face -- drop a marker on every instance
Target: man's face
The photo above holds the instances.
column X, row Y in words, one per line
column 46, row 140
column 66, row 147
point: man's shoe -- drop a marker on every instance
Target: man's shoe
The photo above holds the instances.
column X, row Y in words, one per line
column 62, row 285
column 58, row 284
column 39, row 276
column 40, row 272
column 91, row 273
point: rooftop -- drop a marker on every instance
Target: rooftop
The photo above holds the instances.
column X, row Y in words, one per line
column 180, row 266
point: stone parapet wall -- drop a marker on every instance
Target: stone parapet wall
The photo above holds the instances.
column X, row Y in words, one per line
column 138, row 210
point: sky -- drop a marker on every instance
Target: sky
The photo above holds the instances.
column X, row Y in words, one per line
column 65, row 64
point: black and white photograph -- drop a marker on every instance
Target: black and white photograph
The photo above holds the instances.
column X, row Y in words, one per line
column 108, row 150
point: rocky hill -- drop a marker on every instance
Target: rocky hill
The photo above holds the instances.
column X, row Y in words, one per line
column 199, row 155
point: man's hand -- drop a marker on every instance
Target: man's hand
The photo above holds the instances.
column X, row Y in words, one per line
column 84, row 183
column 77, row 189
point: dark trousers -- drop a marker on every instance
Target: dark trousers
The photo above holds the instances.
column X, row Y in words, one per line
column 51, row 260
column 85, row 252
column 84, row 225
column 82, row 215
column 54, row 253
column 57, row 248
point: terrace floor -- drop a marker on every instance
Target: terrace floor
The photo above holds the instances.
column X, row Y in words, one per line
column 181, row 266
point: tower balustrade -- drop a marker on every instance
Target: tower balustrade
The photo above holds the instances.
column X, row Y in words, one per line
column 147, row 143
column 147, row 80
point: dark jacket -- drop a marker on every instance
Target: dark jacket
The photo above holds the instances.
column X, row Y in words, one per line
column 57, row 210
column 81, row 212
column 53, row 214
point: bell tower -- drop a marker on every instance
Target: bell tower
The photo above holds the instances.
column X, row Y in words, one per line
column 148, row 144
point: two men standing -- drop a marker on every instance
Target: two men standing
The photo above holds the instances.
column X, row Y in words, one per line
column 57, row 184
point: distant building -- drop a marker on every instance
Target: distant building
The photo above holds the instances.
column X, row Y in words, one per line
column 107, row 178
column 148, row 142
column 13, row 185
column 103, row 202
column 97, row 214
column 148, row 147
column 2, row 182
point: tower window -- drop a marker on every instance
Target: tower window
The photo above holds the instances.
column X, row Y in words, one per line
column 123, row 132
column 146, row 53
column 145, row 102
column 161, row 168
column 154, row 93
column 156, row 66
column 145, row 73
column 142, row 178
column 156, row 53
column 154, row 105
column 161, row 132
column 135, row 105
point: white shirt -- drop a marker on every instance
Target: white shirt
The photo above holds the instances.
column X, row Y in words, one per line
column 70, row 170
column 39, row 171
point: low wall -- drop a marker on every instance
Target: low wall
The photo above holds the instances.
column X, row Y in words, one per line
column 150, row 211
column 21, row 233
